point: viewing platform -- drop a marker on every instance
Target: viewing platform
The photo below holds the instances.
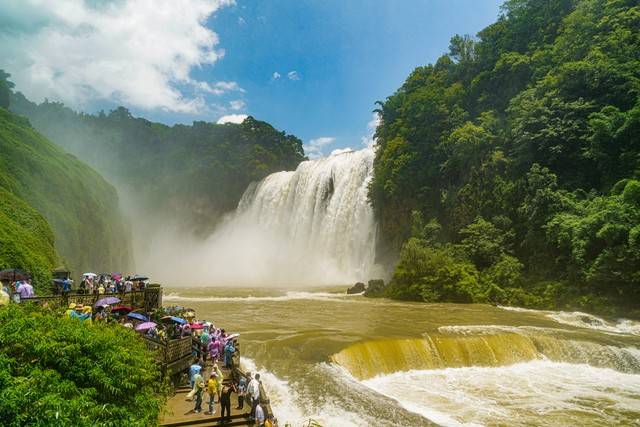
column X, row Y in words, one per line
column 174, row 356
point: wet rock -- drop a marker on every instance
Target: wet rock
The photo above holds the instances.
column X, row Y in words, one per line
column 374, row 288
column 358, row 288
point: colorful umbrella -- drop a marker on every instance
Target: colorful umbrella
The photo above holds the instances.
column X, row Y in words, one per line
column 107, row 301
column 197, row 326
column 121, row 309
column 138, row 316
column 145, row 326
column 174, row 319
column 90, row 275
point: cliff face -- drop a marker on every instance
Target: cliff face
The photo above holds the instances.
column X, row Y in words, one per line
column 38, row 182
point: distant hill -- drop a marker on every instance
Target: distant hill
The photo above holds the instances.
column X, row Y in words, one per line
column 186, row 174
column 50, row 200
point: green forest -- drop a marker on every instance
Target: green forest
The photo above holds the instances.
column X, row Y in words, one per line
column 507, row 172
column 55, row 209
column 189, row 173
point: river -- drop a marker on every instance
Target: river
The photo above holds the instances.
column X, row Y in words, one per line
column 353, row 361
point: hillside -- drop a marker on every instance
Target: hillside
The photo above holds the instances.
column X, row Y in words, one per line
column 506, row 170
column 39, row 180
column 185, row 174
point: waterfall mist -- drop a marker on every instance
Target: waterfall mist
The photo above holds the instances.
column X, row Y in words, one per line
column 311, row 226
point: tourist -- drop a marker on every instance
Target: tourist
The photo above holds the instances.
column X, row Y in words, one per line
column 100, row 289
column 25, row 290
column 259, row 416
column 70, row 310
column 214, row 386
column 229, row 349
column 242, row 390
column 253, row 390
column 86, row 311
column 193, row 370
column 66, row 286
column 205, row 339
column 225, row 403
column 198, row 386
column 214, row 351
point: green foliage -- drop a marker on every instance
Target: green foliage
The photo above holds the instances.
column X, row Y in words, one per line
column 26, row 240
column 59, row 371
column 433, row 275
column 523, row 145
column 80, row 207
column 5, row 89
column 189, row 174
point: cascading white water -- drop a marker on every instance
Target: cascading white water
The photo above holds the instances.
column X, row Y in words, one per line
column 309, row 227
column 322, row 210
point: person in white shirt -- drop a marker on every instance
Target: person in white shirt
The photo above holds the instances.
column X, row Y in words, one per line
column 259, row 415
column 253, row 390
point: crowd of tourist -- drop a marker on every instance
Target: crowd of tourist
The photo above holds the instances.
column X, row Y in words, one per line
column 211, row 346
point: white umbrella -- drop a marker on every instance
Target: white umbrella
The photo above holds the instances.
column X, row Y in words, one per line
column 90, row 275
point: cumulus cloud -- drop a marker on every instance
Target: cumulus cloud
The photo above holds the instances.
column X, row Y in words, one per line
column 314, row 148
column 293, row 75
column 369, row 140
column 232, row 118
column 136, row 52
column 218, row 88
column 276, row 75
column 238, row 104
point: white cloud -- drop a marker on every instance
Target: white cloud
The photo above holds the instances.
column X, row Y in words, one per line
column 369, row 140
column 232, row 118
column 238, row 104
column 293, row 75
column 218, row 88
column 137, row 52
column 314, row 148
column 276, row 75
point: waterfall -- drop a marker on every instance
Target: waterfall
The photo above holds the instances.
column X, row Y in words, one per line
column 436, row 351
column 308, row 227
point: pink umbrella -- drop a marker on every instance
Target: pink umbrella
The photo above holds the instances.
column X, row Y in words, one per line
column 145, row 326
column 197, row 326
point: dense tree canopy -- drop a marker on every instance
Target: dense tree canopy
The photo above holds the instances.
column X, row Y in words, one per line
column 521, row 144
column 60, row 371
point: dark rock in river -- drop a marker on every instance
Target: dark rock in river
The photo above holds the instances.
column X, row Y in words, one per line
column 374, row 288
column 358, row 288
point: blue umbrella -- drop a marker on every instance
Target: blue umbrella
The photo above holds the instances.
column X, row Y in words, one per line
column 138, row 316
column 174, row 319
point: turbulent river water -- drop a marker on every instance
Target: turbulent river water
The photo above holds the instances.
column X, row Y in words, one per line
column 353, row 361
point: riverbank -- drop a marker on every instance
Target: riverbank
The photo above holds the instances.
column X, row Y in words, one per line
column 550, row 296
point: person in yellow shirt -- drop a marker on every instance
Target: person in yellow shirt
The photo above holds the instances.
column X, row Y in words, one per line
column 214, row 385
column 72, row 308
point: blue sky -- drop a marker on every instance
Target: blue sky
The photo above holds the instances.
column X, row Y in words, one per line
column 311, row 68
column 347, row 55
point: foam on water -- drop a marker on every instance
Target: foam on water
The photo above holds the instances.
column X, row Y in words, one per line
column 290, row 407
column 585, row 320
column 288, row 296
column 532, row 393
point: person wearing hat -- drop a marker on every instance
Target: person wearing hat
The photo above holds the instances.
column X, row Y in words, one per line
column 70, row 310
column 86, row 313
